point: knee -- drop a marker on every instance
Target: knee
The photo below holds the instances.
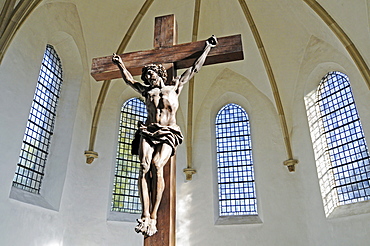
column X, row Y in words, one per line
column 159, row 161
column 158, row 168
column 144, row 168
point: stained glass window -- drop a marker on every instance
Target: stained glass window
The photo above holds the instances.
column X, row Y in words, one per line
column 40, row 125
column 340, row 146
column 236, row 183
column 125, row 192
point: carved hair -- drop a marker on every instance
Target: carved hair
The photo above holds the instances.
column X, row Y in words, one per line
column 159, row 69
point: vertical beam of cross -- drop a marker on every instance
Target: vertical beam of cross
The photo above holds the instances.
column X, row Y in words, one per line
column 165, row 35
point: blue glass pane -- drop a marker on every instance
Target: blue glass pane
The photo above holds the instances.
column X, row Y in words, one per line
column 40, row 125
column 125, row 191
column 346, row 142
column 235, row 164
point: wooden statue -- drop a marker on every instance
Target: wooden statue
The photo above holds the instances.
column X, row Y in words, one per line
column 158, row 137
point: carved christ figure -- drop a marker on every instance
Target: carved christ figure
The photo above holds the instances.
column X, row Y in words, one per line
column 158, row 137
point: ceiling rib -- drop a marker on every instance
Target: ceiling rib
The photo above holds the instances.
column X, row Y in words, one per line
column 343, row 37
column 11, row 19
column 189, row 170
column 290, row 162
column 6, row 14
column 91, row 154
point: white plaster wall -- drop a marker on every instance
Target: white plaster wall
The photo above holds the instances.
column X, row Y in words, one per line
column 289, row 204
column 77, row 193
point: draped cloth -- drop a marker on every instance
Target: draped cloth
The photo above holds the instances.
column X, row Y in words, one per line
column 157, row 134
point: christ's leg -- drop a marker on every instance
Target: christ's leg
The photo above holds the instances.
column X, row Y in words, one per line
column 144, row 183
column 161, row 157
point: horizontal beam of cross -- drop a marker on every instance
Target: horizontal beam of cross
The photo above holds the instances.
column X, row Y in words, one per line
column 183, row 55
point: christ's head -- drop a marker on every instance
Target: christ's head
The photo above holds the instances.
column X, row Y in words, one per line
column 152, row 74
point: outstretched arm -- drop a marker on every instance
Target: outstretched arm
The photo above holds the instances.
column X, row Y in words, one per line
column 189, row 73
column 126, row 75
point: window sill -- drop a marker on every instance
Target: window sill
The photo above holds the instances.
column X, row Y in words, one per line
column 30, row 198
column 238, row 219
column 350, row 209
column 120, row 216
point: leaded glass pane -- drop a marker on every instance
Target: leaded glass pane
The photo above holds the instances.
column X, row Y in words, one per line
column 125, row 192
column 40, row 125
column 236, row 184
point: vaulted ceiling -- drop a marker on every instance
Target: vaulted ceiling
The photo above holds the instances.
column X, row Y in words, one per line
column 276, row 33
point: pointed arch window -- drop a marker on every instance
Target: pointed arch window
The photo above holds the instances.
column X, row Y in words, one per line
column 125, row 196
column 40, row 125
column 341, row 152
column 236, row 184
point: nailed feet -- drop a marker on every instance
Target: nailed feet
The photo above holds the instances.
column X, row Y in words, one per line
column 146, row 226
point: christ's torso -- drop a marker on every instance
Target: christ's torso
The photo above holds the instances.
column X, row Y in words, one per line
column 162, row 104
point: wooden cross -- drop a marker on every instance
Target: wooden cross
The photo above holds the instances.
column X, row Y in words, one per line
column 166, row 52
column 173, row 56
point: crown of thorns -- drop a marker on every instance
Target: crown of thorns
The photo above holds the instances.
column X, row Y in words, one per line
column 158, row 68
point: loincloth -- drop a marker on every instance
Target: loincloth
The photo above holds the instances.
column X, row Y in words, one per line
column 157, row 134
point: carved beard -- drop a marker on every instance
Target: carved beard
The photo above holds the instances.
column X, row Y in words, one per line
column 158, row 82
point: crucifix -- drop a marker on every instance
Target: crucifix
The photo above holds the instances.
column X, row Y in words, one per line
column 159, row 136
